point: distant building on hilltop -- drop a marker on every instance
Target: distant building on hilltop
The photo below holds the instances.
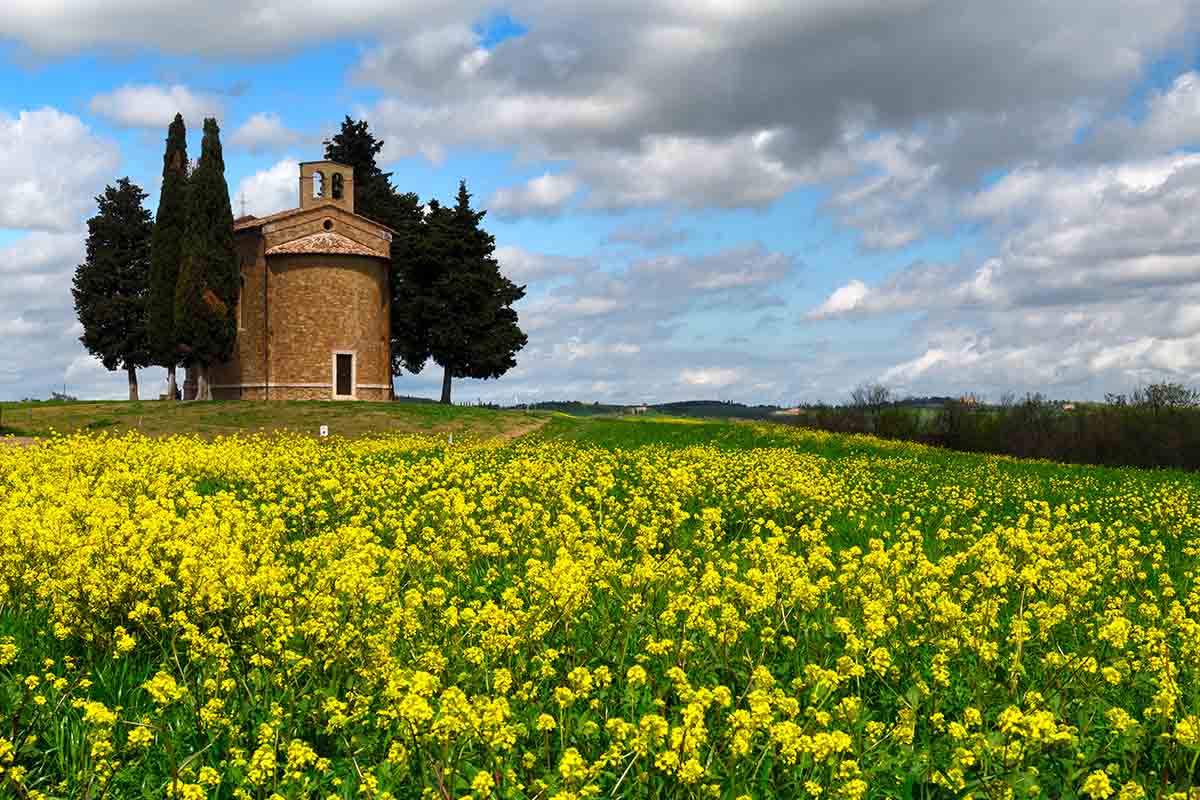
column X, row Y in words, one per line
column 314, row 310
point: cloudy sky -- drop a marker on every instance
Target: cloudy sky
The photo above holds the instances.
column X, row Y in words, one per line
column 755, row 200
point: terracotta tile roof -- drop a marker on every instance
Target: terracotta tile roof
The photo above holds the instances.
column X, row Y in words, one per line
column 249, row 221
column 324, row 242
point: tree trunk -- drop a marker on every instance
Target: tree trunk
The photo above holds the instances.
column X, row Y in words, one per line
column 203, row 389
column 132, row 371
column 171, row 387
column 189, row 384
column 446, row 385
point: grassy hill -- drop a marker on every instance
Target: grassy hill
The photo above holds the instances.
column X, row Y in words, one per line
column 217, row 418
column 579, row 421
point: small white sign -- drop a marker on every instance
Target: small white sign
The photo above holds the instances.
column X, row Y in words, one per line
column 324, row 430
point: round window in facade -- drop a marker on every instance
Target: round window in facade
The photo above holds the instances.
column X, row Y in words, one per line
column 328, row 225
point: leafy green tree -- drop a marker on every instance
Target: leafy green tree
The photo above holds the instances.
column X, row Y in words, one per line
column 166, row 253
column 377, row 199
column 110, row 286
column 207, row 290
column 472, row 327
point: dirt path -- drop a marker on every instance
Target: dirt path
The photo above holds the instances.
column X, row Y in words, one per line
column 16, row 441
column 534, row 424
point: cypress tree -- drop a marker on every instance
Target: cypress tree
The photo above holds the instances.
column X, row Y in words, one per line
column 110, row 286
column 207, row 290
column 165, row 252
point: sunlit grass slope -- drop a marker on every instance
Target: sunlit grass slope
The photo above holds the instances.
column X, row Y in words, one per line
column 209, row 419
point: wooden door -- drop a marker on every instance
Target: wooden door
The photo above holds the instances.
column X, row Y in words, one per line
column 345, row 375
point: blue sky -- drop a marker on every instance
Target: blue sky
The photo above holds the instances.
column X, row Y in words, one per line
column 763, row 201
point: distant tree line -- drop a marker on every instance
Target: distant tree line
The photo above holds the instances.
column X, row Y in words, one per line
column 699, row 409
column 1154, row 426
column 163, row 291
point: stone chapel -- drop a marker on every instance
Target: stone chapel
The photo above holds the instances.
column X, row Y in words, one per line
column 313, row 317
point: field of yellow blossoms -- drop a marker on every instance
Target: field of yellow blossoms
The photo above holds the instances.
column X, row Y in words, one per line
column 779, row 615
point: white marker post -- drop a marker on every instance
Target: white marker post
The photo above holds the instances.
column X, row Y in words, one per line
column 324, row 430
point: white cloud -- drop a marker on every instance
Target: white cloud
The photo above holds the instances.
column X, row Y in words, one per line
column 738, row 172
column 219, row 27
column 623, row 333
column 747, row 268
column 1011, row 193
column 661, row 236
column 154, row 106
column 710, row 377
column 264, row 132
column 1173, row 116
column 1078, row 236
column 276, row 188
column 544, row 196
column 1095, row 287
column 697, row 105
column 40, row 254
column 521, row 265
column 38, row 325
column 51, row 168
column 650, row 298
column 592, row 306
column 844, row 299
column 906, row 373
column 672, row 105
column 575, row 349
column 1171, row 121
column 431, row 58
column 18, row 326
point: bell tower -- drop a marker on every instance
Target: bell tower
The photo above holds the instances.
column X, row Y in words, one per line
column 326, row 183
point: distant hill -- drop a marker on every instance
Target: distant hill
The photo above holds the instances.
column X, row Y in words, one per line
column 576, row 408
column 716, row 409
column 708, row 409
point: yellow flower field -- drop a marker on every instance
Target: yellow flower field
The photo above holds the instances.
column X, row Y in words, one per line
column 399, row 617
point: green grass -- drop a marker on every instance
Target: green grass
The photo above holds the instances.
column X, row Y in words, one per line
column 890, row 464
column 629, row 432
column 216, row 418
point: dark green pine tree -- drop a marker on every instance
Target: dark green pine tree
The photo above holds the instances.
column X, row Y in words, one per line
column 376, row 198
column 206, row 293
column 110, row 286
column 166, row 251
column 473, row 330
column 413, row 280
